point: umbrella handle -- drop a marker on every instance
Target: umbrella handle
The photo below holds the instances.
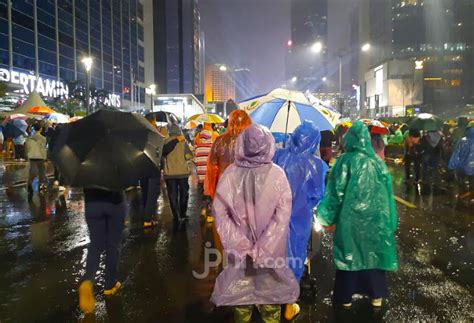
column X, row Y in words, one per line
column 286, row 126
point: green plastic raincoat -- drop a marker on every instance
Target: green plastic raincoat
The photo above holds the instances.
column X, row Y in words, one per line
column 359, row 201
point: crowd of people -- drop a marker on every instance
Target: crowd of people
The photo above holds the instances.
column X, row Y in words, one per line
column 264, row 201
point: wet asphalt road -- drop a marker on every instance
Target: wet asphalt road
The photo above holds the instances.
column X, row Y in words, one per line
column 43, row 248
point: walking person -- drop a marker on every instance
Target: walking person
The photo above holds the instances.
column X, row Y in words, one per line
column 327, row 138
column 105, row 215
column 19, row 145
column 222, row 153
column 36, row 152
column 359, row 202
column 431, row 150
column 176, row 172
column 252, row 206
column 150, row 187
column 412, row 154
column 462, row 161
column 203, row 143
column 306, row 174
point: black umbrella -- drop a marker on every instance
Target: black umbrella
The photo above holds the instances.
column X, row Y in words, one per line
column 15, row 128
column 108, row 150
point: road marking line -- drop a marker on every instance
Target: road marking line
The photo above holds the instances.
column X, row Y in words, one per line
column 406, row 203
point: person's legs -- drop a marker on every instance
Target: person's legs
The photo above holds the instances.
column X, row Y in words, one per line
column 172, row 188
column 18, row 152
column 151, row 203
column 270, row 313
column 115, row 217
column 417, row 165
column 183, row 197
column 42, row 172
column 97, row 233
column 34, row 171
column 243, row 313
column 408, row 161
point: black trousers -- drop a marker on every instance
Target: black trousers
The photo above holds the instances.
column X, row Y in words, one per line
column 409, row 159
column 20, row 152
column 178, row 194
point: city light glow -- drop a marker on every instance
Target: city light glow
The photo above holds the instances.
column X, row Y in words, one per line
column 366, row 47
column 87, row 61
column 223, row 68
column 317, row 47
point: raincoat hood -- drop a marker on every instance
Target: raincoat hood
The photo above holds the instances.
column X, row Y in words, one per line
column 357, row 138
column 175, row 130
column 305, row 139
column 255, row 147
column 433, row 138
column 238, row 121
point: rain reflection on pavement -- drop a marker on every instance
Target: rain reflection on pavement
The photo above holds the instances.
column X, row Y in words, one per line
column 43, row 249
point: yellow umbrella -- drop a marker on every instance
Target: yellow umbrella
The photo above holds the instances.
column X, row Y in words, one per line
column 207, row 118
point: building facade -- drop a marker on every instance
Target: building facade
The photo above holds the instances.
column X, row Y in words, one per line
column 220, row 85
column 306, row 67
column 49, row 38
column 436, row 37
column 177, row 46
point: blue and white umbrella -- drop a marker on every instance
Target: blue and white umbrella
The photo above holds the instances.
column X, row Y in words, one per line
column 284, row 110
column 57, row 118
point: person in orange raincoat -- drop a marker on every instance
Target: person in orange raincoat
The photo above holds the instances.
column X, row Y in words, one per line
column 222, row 151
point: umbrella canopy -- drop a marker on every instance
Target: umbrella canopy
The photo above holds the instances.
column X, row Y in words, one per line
column 75, row 118
column 41, row 110
column 376, row 126
column 207, row 118
column 191, row 124
column 15, row 128
column 427, row 122
column 16, row 116
column 57, row 118
column 34, row 100
column 283, row 111
column 108, row 150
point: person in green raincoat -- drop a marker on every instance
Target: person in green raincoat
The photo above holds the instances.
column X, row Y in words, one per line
column 359, row 203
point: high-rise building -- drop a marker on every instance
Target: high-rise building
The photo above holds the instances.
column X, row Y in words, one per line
column 306, row 59
column 43, row 41
column 220, row 85
column 177, row 46
column 437, row 35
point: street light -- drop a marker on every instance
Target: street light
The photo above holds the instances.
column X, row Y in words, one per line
column 152, row 92
column 87, row 61
column 223, row 68
column 366, row 47
column 294, row 79
column 324, row 79
column 317, row 47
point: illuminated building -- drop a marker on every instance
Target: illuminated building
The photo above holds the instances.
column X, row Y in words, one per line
column 220, row 85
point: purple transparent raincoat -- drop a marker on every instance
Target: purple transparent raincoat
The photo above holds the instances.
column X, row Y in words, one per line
column 252, row 210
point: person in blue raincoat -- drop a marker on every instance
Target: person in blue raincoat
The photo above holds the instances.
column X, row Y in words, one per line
column 462, row 159
column 306, row 174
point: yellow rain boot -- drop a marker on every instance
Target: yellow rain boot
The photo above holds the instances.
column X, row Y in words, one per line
column 114, row 290
column 291, row 311
column 86, row 297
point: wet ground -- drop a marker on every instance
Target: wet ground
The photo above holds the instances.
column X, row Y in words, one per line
column 43, row 248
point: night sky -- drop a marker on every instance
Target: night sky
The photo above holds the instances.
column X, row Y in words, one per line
column 253, row 34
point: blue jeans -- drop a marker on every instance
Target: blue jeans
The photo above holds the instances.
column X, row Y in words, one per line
column 105, row 222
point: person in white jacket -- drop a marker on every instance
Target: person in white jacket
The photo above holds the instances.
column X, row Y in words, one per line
column 36, row 152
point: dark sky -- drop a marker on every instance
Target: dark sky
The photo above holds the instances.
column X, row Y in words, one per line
column 248, row 33
column 253, row 34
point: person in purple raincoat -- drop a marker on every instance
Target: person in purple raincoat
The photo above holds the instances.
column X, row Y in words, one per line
column 252, row 210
